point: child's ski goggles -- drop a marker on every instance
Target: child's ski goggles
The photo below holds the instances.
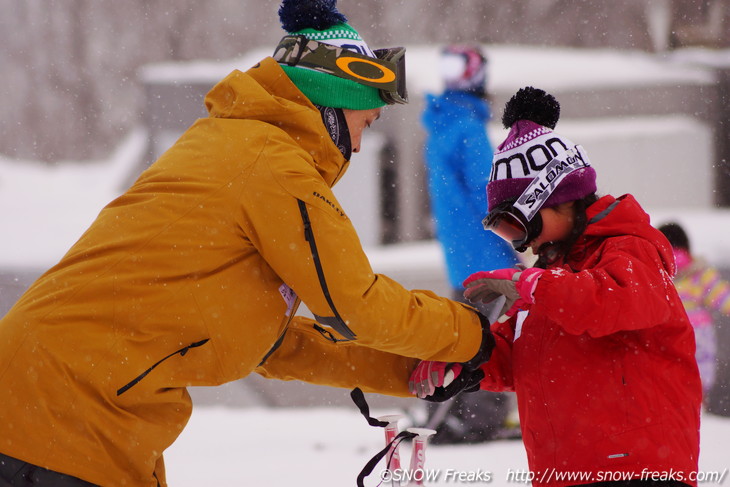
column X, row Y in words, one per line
column 385, row 72
column 518, row 221
column 511, row 225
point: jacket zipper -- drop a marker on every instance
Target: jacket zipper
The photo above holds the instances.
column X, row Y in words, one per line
column 279, row 340
column 335, row 322
column 141, row 376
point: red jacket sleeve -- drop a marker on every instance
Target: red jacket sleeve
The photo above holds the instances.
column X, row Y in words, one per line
column 626, row 288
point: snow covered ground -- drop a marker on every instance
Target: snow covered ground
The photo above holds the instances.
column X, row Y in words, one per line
column 328, row 447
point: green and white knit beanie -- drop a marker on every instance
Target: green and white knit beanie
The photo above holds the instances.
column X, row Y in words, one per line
column 320, row 21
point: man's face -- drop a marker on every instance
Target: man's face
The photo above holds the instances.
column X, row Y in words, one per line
column 357, row 121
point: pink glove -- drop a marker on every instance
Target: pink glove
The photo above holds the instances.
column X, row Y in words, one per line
column 517, row 285
column 428, row 375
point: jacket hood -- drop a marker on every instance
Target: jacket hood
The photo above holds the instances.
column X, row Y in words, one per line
column 265, row 93
column 449, row 108
column 611, row 217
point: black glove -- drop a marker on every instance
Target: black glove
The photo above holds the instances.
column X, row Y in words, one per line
column 430, row 379
column 485, row 348
column 471, row 375
column 467, row 381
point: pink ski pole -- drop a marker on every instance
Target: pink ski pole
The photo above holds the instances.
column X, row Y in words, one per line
column 392, row 459
column 418, row 454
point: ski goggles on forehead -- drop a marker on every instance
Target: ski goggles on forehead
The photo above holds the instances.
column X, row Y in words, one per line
column 518, row 221
column 386, row 72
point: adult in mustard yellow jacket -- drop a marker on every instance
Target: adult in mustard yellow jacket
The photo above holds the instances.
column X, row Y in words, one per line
column 192, row 277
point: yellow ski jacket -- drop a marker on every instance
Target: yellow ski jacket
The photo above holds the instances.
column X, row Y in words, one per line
column 192, row 276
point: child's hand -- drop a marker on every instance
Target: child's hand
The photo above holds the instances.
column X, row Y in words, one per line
column 517, row 285
column 429, row 375
column 440, row 381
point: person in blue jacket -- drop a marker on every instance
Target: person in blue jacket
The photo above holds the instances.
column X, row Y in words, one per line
column 458, row 157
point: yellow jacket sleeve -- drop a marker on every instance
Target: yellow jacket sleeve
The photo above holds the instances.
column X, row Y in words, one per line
column 307, row 356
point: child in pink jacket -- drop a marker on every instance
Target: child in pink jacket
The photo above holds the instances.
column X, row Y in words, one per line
column 703, row 293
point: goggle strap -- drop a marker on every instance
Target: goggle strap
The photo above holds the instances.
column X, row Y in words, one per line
column 337, row 61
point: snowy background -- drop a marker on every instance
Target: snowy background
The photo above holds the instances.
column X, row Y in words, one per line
column 45, row 208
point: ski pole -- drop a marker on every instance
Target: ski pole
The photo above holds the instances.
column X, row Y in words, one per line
column 418, row 454
column 392, row 460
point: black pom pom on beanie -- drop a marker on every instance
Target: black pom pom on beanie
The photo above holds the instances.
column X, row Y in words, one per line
column 530, row 116
column 532, row 104
column 296, row 15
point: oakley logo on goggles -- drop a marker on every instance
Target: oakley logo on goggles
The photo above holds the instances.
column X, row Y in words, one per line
column 386, row 72
column 518, row 221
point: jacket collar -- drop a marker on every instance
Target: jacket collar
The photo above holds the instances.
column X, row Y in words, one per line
column 618, row 217
column 266, row 93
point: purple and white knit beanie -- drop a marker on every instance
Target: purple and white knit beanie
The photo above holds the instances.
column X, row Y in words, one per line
column 531, row 115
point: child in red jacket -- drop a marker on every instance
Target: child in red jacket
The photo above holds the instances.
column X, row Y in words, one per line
column 594, row 338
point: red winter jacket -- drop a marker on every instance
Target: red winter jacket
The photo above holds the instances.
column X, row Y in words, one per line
column 603, row 363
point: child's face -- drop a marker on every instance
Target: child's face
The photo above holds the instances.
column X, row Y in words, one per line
column 557, row 222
